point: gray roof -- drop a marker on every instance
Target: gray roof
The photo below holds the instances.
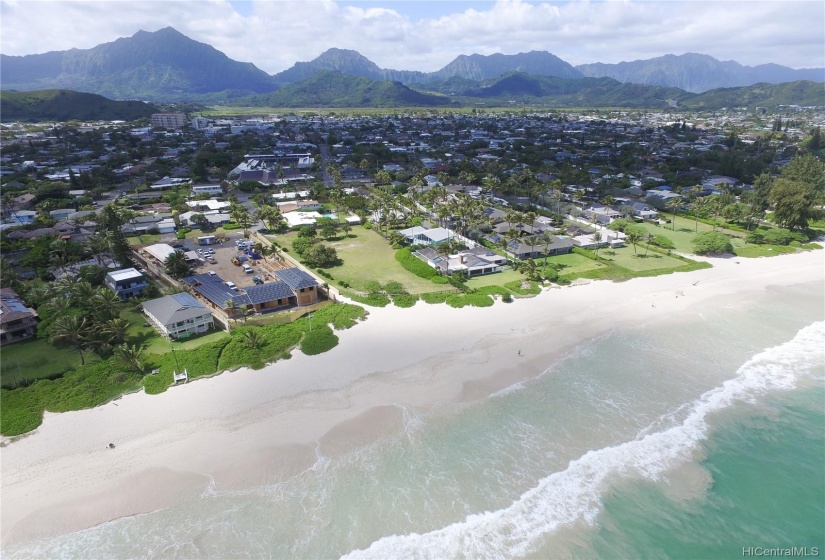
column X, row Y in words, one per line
column 174, row 308
column 296, row 278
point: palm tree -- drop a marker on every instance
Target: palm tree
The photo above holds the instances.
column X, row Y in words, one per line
column 252, row 337
column 105, row 301
column 74, row 331
column 131, row 355
column 546, row 239
column 633, row 237
column 176, row 265
column 231, row 308
column 673, row 205
column 597, row 237
column 115, row 329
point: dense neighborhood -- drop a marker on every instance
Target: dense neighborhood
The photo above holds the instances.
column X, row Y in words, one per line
column 120, row 240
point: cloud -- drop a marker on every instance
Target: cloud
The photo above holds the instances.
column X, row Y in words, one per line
column 275, row 34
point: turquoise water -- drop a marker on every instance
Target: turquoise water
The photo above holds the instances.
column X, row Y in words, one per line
column 687, row 439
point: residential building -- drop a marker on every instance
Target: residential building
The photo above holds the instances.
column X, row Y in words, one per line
column 24, row 216
column 126, row 283
column 472, row 262
column 304, row 286
column 17, row 322
column 207, row 189
column 168, row 120
column 178, row 316
column 418, row 235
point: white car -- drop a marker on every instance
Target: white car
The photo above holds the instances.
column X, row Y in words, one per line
column 231, row 285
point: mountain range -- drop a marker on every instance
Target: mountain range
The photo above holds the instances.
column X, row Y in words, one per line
column 166, row 65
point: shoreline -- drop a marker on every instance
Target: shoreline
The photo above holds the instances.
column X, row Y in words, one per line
column 245, row 428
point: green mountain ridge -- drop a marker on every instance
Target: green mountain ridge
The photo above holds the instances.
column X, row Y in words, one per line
column 65, row 105
column 334, row 89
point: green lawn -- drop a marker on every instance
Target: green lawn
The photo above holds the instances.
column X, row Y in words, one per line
column 625, row 258
column 497, row 279
column 685, row 230
column 573, row 263
column 368, row 256
column 750, row 251
column 37, row 358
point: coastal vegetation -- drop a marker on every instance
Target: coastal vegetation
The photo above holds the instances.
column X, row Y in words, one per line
column 96, row 383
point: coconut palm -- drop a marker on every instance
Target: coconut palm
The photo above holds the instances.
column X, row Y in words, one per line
column 176, row 265
column 114, row 330
column 74, row 331
column 673, row 205
column 597, row 237
column 105, row 303
column 252, row 337
column 131, row 355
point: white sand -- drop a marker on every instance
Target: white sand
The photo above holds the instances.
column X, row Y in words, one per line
column 247, row 427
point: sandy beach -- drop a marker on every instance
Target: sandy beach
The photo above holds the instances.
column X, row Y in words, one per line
column 246, row 428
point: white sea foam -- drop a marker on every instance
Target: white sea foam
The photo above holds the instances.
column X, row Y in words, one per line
column 574, row 494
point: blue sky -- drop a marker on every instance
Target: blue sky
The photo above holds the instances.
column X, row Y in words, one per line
column 426, row 35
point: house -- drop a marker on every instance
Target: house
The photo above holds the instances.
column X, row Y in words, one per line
column 207, row 189
column 601, row 214
column 169, row 182
column 166, row 225
column 178, row 316
column 533, row 246
column 62, row 213
column 299, row 206
column 304, row 286
column 418, row 235
column 641, row 210
column 126, row 283
column 17, row 322
column 24, row 201
column 24, row 216
column 473, row 262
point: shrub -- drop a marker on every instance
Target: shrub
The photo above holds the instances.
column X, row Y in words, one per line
column 404, row 300
column 778, row 236
column 414, row 264
column 439, row 280
column 661, row 241
column 318, row 341
column 230, row 226
column 436, row 297
column 755, row 238
column 372, row 287
column 711, row 243
column 505, row 294
column 375, row 300
column 394, row 288
column 795, row 243
column 619, row 225
column 320, row 255
column 474, row 300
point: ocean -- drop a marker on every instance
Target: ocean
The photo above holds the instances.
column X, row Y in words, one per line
column 698, row 437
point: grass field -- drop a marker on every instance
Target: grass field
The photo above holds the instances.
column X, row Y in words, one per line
column 367, row 256
column 752, row 251
column 625, row 258
column 497, row 279
column 685, row 230
column 37, row 359
column 147, row 239
column 572, row 263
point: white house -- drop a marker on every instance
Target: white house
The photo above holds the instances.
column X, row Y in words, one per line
column 178, row 316
column 207, row 189
column 418, row 235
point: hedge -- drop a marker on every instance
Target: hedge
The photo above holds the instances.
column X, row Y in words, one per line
column 414, row 264
column 474, row 300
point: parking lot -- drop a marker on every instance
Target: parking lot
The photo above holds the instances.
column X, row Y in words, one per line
column 223, row 253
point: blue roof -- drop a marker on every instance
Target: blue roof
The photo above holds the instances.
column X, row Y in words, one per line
column 213, row 288
column 270, row 291
column 296, row 278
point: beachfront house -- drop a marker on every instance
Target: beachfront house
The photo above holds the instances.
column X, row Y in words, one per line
column 473, row 262
column 178, row 316
column 17, row 321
